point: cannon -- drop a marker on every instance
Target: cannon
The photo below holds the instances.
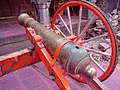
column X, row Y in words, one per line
column 68, row 48
column 73, row 58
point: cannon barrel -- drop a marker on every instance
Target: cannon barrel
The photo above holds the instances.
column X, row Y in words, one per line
column 72, row 57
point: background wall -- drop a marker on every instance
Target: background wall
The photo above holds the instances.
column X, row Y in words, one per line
column 13, row 7
column 112, row 5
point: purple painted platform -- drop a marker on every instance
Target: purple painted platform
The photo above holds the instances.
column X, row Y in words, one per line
column 29, row 79
column 26, row 79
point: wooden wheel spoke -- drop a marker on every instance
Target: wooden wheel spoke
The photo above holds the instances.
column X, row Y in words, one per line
column 87, row 25
column 69, row 18
column 98, row 52
column 79, row 21
column 95, row 38
column 96, row 63
column 64, row 23
column 60, row 31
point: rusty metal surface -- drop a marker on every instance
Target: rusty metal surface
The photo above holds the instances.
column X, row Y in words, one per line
column 50, row 39
column 74, row 58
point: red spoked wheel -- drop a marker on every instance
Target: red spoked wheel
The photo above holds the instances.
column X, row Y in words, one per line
column 95, row 34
